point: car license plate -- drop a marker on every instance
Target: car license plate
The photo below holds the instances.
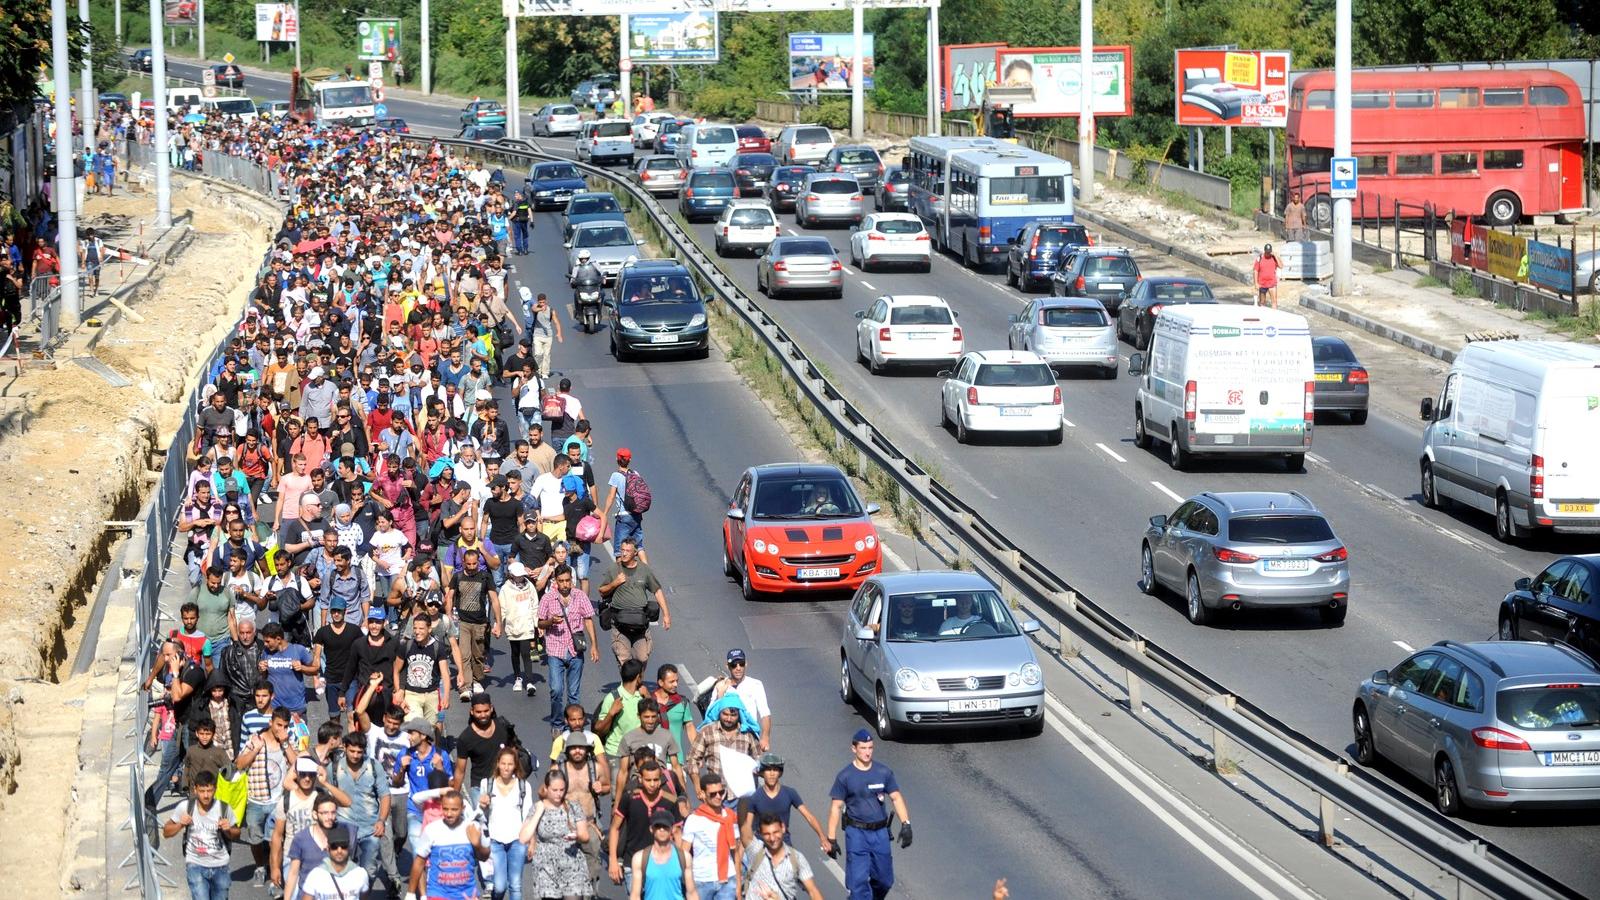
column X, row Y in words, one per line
column 1223, row 439
column 1330, row 376
column 1572, row 758
column 922, row 337
column 1109, row 287
column 663, row 338
column 1287, row 565
column 1013, row 410
column 1575, row 507
column 817, row 573
column 991, row 704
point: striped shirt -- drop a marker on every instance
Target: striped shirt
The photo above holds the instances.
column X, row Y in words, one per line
column 253, row 722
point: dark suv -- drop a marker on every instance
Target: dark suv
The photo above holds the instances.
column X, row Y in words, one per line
column 1107, row 274
column 862, row 162
column 656, row 308
column 706, row 192
column 1037, row 252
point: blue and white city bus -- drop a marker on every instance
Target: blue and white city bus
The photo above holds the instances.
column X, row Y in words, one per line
column 975, row 194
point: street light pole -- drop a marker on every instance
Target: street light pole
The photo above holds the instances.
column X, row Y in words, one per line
column 427, row 54
column 625, row 65
column 858, row 98
column 200, row 27
column 1341, row 144
column 88, row 109
column 513, row 88
column 1086, row 101
column 298, row 31
column 935, row 71
column 162, row 153
column 66, row 186
column 117, row 15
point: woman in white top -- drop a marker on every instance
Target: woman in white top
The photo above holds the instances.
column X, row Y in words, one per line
column 505, row 801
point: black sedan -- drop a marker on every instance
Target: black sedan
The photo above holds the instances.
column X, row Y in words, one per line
column 1558, row 604
column 1341, row 379
column 752, row 171
column 140, row 60
column 229, row 75
column 393, row 124
column 1136, row 318
column 785, row 185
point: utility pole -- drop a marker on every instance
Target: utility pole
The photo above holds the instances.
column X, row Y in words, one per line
column 513, row 92
column 200, row 27
column 66, row 185
column 297, row 32
column 1086, row 101
column 88, row 109
column 1341, row 143
column 858, row 98
column 158, row 93
column 625, row 64
column 117, row 15
column 427, row 54
column 935, row 71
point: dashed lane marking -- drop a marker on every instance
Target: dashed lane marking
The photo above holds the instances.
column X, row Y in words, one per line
column 1110, row 452
column 1171, row 494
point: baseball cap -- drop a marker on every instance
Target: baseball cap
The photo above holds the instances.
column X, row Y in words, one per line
column 624, row 453
column 375, row 615
column 338, row 836
column 735, row 655
column 422, row 727
column 862, row 736
column 572, row 483
column 305, row 765
column 662, row 817
column 516, row 568
column 336, row 605
column 317, row 372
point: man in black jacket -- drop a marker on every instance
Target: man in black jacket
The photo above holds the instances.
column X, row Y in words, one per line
column 240, row 665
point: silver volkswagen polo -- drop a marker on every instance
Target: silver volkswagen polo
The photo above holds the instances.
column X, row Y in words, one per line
column 939, row 648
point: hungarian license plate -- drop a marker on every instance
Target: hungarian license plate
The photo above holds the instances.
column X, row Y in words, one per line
column 663, row 338
column 1013, row 410
column 817, row 573
column 991, row 704
column 923, row 337
column 563, row 195
column 1573, row 758
column 1287, row 565
column 1109, row 287
column 1330, row 376
column 1575, row 507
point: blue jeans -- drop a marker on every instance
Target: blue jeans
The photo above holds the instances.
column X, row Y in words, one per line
column 519, row 236
column 332, row 694
column 581, row 560
column 508, row 859
column 171, row 764
column 504, row 552
column 366, row 849
column 565, row 677
column 207, row 883
column 628, row 526
column 713, row 890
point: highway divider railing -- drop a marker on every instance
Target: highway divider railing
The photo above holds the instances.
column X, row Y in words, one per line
column 1234, row 721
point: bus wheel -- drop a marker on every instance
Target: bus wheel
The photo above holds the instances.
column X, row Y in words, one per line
column 1503, row 209
column 1320, row 212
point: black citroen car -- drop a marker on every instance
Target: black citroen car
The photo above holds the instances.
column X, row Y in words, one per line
column 655, row 308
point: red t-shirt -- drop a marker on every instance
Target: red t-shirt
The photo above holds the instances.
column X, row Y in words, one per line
column 1267, row 272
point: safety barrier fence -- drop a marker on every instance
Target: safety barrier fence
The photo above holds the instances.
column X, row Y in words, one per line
column 1234, row 721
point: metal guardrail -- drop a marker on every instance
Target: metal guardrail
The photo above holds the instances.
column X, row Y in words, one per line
column 1471, row 860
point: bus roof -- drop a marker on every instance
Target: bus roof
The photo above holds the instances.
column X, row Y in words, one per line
column 1322, row 79
column 941, row 146
column 1011, row 156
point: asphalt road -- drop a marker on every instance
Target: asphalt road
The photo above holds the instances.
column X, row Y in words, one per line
column 1418, row 575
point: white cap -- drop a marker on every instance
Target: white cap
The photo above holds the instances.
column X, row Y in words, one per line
column 316, row 372
column 516, row 569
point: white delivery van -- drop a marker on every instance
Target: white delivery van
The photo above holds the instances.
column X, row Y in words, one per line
column 179, row 97
column 707, row 144
column 1220, row 378
column 241, row 108
column 1516, row 432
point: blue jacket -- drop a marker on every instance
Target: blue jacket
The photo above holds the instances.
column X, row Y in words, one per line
column 747, row 722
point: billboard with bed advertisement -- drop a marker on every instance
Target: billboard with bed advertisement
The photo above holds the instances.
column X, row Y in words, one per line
column 1232, row 87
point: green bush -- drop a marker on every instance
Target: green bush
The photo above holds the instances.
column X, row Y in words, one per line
column 1244, row 177
column 717, row 101
column 834, row 112
column 1462, row 285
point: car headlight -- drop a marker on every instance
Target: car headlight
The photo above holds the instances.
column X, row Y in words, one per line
column 697, row 320
column 1031, row 674
column 541, row 193
column 907, row 680
column 860, row 546
column 772, row 549
column 628, row 323
column 760, row 545
column 871, row 541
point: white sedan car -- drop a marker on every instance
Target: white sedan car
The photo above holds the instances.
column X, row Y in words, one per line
column 891, row 237
column 647, row 125
column 745, row 225
column 1002, row 391
column 907, row 329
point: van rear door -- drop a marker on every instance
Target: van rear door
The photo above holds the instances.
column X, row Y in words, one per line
column 1250, row 386
column 1569, row 424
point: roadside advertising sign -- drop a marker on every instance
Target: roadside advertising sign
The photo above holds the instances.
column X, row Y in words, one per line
column 180, row 12
column 967, row 71
column 277, row 22
column 1054, row 74
column 1550, row 267
column 822, row 61
column 1506, row 255
column 1232, row 87
column 673, row 37
column 378, row 39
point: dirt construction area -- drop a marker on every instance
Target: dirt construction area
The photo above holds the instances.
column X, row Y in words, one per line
column 75, row 453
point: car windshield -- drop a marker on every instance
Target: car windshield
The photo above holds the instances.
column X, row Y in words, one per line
column 805, row 248
column 582, row 205
column 235, row 107
column 1180, row 290
column 948, row 616
column 755, row 159
column 489, row 131
column 1114, row 266
column 1073, row 317
column 793, row 497
column 898, row 226
column 671, row 127
column 720, row 135
column 1014, row 375
column 704, row 180
column 1055, row 237
column 858, row 156
column 899, row 176
column 676, row 288
column 792, row 173
column 557, row 171
column 355, row 95
column 564, row 111
column 661, row 163
column 919, row 315
column 812, row 136
column 605, row 236
column 1279, row 530
column 751, row 216
column 1331, row 352
column 1550, row 707
column 613, row 129
column 833, row 186
column 750, row 131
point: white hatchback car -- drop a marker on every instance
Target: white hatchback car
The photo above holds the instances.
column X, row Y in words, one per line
column 1002, row 390
column 647, row 125
column 907, row 329
column 1067, row 331
column 891, row 237
column 745, row 225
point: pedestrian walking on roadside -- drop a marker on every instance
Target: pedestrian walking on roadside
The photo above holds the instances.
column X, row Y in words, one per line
column 567, row 617
column 447, row 853
column 521, row 222
column 772, row 868
column 1294, row 219
column 629, row 523
column 865, row 797
column 208, row 831
column 1266, row 276
column 555, row 833
column 633, row 593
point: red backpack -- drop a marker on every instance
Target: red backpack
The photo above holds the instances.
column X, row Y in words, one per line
column 635, row 494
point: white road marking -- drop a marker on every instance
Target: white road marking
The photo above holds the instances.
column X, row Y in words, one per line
column 894, row 558
column 1110, row 452
column 792, row 232
column 868, row 285
column 1405, row 646
column 1171, row 494
column 1068, row 423
column 847, row 270
column 1316, row 459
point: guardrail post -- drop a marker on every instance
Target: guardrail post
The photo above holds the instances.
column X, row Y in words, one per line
column 1326, row 811
column 962, row 559
column 1135, row 683
column 1219, row 741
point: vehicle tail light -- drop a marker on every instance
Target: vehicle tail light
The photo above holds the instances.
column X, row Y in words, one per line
column 838, row 168
column 1495, row 739
column 883, row 335
column 1338, row 554
column 1138, row 278
column 688, row 192
column 594, row 142
column 812, row 198
column 836, row 266
column 1311, row 402
column 985, row 233
column 1033, row 246
column 1563, row 687
column 780, row 266
column 645, row 175
column 955, row 333
column 1189, row 402
column 923, row 236
column 1089, row 237
column 1234, row 556
column 1155, row 310
column 972, row 396
column 880, row 170
column 856, row 197
column 1536, row 480
column 693, row 153
column 724, row 231
column 1358, row 376
column 683, row 173
column 1079, row 283
column 1055, row 395
column 741, row 171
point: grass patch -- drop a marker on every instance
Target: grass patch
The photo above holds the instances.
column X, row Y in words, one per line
column 1380, row 267
column 1429, row 281
column 1462, row 285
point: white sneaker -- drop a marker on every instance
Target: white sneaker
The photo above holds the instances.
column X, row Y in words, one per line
column 477, row 688
column 517, row 684
column 466, row 695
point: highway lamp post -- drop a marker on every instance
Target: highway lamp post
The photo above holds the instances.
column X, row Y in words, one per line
column 200, row 28
column 88, row 109
column 858, row 112
column 298, row 30
column 117, row 19
column 935, row 73
column 1086, row 101
column 1341, row 144
column 625, row 65
column 65, row 190
column 427, row 54
column 161, row 152
column 513, row 87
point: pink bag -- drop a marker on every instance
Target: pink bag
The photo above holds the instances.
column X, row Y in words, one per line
column 588, row 528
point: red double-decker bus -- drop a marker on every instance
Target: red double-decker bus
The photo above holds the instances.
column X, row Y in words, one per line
column 1496, row 143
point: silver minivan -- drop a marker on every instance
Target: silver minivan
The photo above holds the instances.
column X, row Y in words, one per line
column 830, row 197
column 705, row 145
column 803, row 145
column 605, row 140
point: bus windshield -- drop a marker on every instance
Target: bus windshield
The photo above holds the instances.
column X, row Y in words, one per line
column 347, row 95
column 1035, row 189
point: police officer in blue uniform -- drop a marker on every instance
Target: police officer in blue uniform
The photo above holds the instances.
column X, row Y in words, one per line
column 862, row 794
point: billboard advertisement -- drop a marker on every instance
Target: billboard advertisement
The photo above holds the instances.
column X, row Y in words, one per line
column 1551, row 267
column 378, row 39
column 1505, row 254
column 276, row 22
column 181, row 12
column 674, row 37
column 968, row 69
column 821, row 62
column 1232, row 87
column 1054, row 74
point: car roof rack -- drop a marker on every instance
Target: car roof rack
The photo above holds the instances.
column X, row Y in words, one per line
column 1476, row 655
column 1575, row 653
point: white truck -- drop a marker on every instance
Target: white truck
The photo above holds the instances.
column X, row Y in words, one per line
column 1226, row 379
column 335, row 101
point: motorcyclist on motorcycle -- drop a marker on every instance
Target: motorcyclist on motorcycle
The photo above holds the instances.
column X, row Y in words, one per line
column 586, row 272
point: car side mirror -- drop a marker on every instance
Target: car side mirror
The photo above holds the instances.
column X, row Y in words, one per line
column 1136, row 364
column 1427, row 409
column 944, row 373
column 1158, row 521
column 1380, row 677
column 873, row 509
column 736, row 514
column 608, row 302
column 1523, row 584
column 1015, row 318
column 567, row 244
column 861, row 314
column 1030, row 627
column 866, row 634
